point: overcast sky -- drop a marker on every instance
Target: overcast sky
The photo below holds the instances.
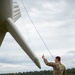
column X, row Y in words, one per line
column 55, row 21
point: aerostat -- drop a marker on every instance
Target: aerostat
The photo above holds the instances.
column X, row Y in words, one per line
column 9, row 13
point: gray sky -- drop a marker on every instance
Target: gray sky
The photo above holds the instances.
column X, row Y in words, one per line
column 55, row 21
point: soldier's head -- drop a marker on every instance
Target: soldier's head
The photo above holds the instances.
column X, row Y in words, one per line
column 57, row 59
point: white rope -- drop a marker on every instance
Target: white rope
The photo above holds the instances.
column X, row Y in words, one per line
column 37, row 29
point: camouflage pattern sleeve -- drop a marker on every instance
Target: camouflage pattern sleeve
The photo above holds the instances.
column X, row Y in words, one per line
column 49, row 63
column 64, row 73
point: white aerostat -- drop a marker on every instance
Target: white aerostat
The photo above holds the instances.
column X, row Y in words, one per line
column 9, row 13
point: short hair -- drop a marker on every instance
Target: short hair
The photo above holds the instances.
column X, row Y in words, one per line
column 58, row 57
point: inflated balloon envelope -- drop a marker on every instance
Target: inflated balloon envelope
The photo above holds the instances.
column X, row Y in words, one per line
column 9, row 13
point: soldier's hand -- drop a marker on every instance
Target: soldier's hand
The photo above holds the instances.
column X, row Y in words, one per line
column 43, row 57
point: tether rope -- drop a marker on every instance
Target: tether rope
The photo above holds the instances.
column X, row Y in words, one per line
column 37, row 29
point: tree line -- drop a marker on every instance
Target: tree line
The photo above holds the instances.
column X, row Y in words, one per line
column 45, row 72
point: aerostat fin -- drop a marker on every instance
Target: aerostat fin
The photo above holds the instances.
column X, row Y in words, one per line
column 2, row 35
column 16, row 11
column 13, row 30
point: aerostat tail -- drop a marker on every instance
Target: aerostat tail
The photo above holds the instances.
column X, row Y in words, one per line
column 2, row 35
column 8, row 8
column 9, row 14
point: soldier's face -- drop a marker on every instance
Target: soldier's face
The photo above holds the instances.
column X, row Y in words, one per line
column 56, row 60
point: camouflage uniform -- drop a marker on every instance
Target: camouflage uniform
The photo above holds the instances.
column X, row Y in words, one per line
column 59, row 69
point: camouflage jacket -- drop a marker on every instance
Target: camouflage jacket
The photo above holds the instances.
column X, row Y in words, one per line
column 59, row 69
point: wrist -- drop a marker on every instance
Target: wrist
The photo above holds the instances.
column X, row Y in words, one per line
column 43, row 58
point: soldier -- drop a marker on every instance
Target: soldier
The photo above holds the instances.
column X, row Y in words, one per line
column 59, row 69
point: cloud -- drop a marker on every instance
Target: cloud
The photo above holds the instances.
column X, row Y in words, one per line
column 54, row 20
column 69, row 56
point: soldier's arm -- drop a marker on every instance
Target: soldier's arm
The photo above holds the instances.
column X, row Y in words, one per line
column 49, row 63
